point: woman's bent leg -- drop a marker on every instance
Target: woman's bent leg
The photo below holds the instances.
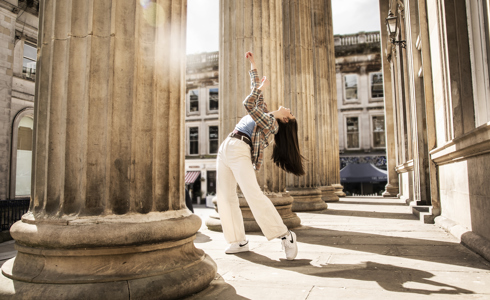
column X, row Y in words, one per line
column 228, row 205
column 264, row 212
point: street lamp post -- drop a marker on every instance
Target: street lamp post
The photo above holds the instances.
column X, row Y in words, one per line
column 392, row 27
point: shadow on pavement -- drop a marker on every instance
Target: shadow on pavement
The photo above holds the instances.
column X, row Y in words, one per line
column 389, row 277
column 218, row 289
column 370, row 203
column 202, row 238
column 396, row 246
column 369, row 214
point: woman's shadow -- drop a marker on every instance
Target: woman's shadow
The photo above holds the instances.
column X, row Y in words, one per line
column 389, row 277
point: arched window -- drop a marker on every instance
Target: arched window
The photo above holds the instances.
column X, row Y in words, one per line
column 24, row 157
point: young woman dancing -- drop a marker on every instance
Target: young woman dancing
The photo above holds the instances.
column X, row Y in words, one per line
column 240, row 153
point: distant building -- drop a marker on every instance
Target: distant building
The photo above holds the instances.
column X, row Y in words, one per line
column 201, row 124
column 18, row 55
column 360, row 103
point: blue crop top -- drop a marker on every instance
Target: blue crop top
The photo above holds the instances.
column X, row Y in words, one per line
column 246, row 125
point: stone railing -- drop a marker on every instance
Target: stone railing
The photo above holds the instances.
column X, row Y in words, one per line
column 203, row 59
column 358, row 38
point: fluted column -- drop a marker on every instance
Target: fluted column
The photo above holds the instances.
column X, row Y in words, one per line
column 325, row 99
column 392, row 187
column 256, row 26
column 299, row 95
column 107, row 218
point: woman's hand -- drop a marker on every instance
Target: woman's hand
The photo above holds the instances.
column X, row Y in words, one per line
column 250, row 57
column 265, row 83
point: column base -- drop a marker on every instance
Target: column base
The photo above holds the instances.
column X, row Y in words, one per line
column 339, row 190
column 328, row 194
column 97, row 258
column 307, row 199
column 391, row 191
column 282, row 202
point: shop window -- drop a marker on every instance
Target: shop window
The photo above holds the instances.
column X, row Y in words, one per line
column 350, row 87
column 352, row 125
column 193, row 140
column 213, row 99
column 376, row 85
column 379, row 132
column 213, row 139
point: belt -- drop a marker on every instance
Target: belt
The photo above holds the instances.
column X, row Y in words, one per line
column 241, row 136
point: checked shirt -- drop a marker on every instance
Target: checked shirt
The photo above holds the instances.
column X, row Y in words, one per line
column 266, row 124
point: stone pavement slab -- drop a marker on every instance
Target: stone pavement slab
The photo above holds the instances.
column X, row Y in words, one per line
column 359, row 248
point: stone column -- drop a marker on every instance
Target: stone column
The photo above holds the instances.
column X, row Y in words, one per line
column 326, row 100
column 255, row 26
column 392, row 188
column 299, row 95
column 107, row 218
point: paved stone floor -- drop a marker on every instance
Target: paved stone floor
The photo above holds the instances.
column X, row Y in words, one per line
column 360, row 248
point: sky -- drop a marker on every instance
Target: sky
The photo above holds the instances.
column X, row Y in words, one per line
column 349, row 16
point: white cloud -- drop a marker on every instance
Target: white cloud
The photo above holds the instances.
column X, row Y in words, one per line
column 349, row 16
column 352, row 16
column 202, row 26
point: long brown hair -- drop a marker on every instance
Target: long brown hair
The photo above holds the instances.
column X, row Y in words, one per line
column 285, row 152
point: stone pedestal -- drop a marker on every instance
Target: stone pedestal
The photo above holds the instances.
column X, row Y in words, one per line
column 255, row 27
column 307, row 199
column 390, row 191
column 328, row 194
column 107, row 218
column 339, row 190
column 282, row 202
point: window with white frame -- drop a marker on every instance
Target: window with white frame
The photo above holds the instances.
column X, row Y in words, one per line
column 213, row 99
column 378, row 131
column 193, row 140
column 350, row 87
column 352, row 130
column 29, row 61
column 376, row 85
column 213, row 139
column 193, row 101
column 478, row 24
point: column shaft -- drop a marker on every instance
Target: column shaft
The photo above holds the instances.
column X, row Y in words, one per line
column 255, row 26
column 391, row 189
column 107, row 193
column 306, row 73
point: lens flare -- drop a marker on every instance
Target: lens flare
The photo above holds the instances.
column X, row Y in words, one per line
column 151, row 12
column 145, row 3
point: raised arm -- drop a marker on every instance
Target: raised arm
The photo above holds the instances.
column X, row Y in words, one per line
column 262, row 118
column 254, row 76
column 255, row 82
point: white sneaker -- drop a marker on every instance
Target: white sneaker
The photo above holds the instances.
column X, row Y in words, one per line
column 289, row 245
column 237, row 247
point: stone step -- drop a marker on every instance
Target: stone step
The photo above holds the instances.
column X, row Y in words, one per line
column 423, row 213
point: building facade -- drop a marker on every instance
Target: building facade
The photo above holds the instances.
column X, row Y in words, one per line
column 18, row 54
column 202, row 124
column 437, row 101
column 360, row 102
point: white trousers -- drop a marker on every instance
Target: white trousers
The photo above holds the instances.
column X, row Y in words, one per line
column 234, row 166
